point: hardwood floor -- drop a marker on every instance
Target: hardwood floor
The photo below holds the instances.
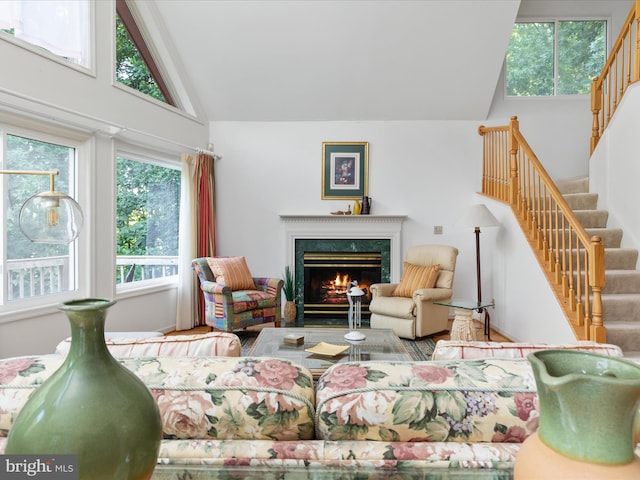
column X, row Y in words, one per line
column 495, row 336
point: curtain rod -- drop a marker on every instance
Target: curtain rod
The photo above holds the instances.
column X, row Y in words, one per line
column 209, row 151
column 111, row 129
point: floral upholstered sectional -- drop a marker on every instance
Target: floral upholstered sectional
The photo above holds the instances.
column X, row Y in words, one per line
column 267, row 411
column 489, row 400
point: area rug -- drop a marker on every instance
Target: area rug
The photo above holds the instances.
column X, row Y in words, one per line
column 420, row 349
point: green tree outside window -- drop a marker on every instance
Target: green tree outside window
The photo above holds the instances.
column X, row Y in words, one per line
column 554, row 58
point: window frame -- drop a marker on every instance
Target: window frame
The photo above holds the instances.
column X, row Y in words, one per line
column 137, row 37
column 79, row 255
column 153, row 157
column 89, row 69
column 556, row 21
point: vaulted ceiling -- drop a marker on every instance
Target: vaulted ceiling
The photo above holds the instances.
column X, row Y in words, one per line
column 296, row 60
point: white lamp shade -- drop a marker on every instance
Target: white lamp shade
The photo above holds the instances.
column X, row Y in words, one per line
column 51, row 217
column 477, row 216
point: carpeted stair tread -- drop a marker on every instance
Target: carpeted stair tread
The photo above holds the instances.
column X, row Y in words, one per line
column 617, row 281
column 582, row 201
column 620, row 258
column 622, row 281
column 610, row 237
column 615, row 258
column 621, row 307
column 573, row 185
column 625, row 334
column 592, row 218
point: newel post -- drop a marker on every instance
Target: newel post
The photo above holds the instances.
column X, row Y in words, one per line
column 598, row 332
column 514, row 126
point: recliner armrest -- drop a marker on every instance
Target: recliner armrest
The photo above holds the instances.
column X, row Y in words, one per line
column 382, row 289
column 432, row 294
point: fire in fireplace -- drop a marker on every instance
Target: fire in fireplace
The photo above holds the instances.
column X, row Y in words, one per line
column 326, row 279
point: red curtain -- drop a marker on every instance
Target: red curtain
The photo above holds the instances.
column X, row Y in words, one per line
column 204, row 215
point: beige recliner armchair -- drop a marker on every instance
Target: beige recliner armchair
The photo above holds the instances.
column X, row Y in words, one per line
column 409, row 312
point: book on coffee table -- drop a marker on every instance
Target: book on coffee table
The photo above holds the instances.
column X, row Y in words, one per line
column 328, row 349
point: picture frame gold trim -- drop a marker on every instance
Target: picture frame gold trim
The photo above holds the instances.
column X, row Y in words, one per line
column 345, row 170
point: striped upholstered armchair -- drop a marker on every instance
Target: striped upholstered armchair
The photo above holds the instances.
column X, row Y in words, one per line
column 235, row 300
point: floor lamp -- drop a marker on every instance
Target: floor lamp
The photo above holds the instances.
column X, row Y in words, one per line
column 477, row 216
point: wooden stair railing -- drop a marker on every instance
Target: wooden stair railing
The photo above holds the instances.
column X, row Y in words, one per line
column 621, row 69
column 572, row 261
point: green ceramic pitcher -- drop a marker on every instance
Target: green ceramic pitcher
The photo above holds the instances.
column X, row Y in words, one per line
column 587, row 405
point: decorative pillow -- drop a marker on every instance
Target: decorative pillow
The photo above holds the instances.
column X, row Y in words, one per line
column 232, row 272
column 415, row 277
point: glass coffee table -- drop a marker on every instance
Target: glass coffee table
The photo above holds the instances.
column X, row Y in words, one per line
column 379, row 344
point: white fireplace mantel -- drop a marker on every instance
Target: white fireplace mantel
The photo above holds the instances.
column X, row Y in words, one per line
column 346, row 227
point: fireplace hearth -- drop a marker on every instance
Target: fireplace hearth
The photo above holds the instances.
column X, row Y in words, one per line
column 328, row 251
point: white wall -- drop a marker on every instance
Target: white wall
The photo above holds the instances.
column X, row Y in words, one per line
column 60, row 96
column 428, row 171
column 615, row 169
column 530, row 311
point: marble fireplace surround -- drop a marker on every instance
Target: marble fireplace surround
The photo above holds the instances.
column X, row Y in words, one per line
column 349, row 232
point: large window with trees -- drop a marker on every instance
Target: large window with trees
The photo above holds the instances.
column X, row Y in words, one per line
column 34, row 270
column 148, row 217
column 558, row 57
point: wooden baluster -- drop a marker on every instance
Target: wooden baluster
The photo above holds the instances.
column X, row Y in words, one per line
column 598, row 331
column 596, row 106
column 576, row 273
column 514, row 126
column 587, row 304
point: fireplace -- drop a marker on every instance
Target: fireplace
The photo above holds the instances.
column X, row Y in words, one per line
column 327, row 276
column 321, row 248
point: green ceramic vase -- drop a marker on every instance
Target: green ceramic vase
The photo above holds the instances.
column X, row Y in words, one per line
column 91, row 406
column 587, row 405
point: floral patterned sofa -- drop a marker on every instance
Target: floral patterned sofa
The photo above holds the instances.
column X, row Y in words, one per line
column 454, row 413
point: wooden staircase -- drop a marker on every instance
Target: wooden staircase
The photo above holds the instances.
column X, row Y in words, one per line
column 621, row 293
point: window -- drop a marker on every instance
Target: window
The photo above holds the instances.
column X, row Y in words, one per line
column 135, row 66
column 60, row 27
column 555, row 57
column 34, row 269
column 148, row 217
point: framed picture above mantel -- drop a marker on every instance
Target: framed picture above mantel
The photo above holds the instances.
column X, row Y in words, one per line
column 345, row 170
